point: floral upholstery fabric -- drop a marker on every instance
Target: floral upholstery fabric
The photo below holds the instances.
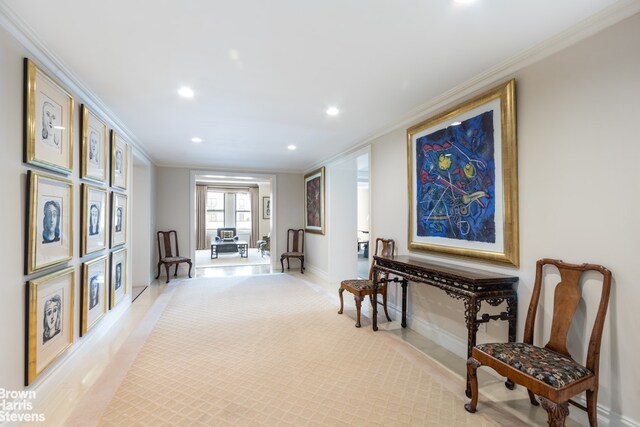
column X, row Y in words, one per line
column 545, row 365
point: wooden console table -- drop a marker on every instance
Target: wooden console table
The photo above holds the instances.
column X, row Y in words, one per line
column 470, row 285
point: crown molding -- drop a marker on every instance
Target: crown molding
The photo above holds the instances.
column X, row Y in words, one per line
column 55, row 67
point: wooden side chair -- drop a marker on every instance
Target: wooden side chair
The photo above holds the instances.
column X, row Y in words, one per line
column 295, row 248
column 166, row 254
column 362, row 287
column 550, row 372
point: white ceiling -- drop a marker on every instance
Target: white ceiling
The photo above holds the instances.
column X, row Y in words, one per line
column 265, row 71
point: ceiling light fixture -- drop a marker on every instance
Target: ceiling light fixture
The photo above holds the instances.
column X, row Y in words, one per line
column 292, row 147
column 333, row 111
column 186, row 92
column 196, row 140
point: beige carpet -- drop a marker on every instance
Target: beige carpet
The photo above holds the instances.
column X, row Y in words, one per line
column 203, row 259
column 271, row 350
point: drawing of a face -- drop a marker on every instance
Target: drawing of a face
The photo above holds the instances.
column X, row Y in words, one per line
column 118, row 220
column 119, row 161
column 94, row 220
column 93, row 147
column 52, row 318
column 51, row 222
column 50, row 124
column 118, row 276
column 93, row 292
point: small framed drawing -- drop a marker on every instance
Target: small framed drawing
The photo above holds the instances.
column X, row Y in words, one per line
column 463, row 179
column 48, row 121
column 118, row 219
column 49, row 320
column 93, row 296
column 94, row 219
column 266, row 207
column 93, row 154
column 118, row 277
column 49, row 223
column 314, row 218
column 119, row 161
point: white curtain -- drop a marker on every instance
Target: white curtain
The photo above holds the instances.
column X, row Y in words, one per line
column 201, row 217
column 255, row 216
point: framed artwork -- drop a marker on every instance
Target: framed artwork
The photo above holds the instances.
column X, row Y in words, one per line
column 314, row 217
column 118, row 285
column 118, row 219
column 266, row 207
column 49, row 231
column 93, row 296
column 463, row 180
column 49, row 320
column 93, row 154
column 48, row 121
column 94, row 219
column 119, row 161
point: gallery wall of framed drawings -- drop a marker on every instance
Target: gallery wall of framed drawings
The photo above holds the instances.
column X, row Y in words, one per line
column 76, row 181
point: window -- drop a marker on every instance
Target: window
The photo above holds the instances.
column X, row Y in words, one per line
column 243, row 211
column 215, row 210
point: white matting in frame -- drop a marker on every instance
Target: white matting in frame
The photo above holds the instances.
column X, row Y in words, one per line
column 50, row 320
column 118, row 219
column 94, row 146
column 48, row 121
column 49, row 221
column 119, row 161
column 94, row 219
column 118, row 276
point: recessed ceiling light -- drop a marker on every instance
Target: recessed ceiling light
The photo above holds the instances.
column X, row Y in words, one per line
column 196, row 140
column 456, row 123
column 186, row 92
column 292, row 147
column 333, row 111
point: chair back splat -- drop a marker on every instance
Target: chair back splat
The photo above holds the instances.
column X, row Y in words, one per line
column 550, row 372
column 167, row 240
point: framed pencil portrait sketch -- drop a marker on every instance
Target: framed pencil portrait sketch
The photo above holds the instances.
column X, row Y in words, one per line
column 118, row 284
column 93, row 153
column 48, row 121
column 119, row 161
column 463, row 179
column 118, row 219
column 266, row 207
column 93, row 296
column 314, row 209
column 49, row 222
column 49, row 320
column 93, row 222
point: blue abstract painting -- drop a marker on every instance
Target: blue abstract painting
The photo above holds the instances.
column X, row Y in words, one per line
column 456, row 181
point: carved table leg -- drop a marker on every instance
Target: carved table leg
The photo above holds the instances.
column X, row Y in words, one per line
column 557, row 412
column 404, row 302
column 471, row 309
column 472, row 368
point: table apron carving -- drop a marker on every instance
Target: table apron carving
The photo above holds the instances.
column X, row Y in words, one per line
column 471, row 286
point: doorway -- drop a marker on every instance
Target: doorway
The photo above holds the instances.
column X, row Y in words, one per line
column 364, row 206
column 141, row 226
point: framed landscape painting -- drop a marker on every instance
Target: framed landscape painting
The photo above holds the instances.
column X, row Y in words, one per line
column 118, row 219
column 119, row 161
column 314, row 207
column 463, row 180
column 48, row 121
column 93, row 155
column 94, row 219
column 49, row 320
column 49, row 231
column 118, row 287
column 94, row 293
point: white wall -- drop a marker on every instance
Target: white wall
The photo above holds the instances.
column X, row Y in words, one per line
column 141, row 245
column 577, row 153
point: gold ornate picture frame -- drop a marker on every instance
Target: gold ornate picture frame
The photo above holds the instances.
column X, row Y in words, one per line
column 119, row 161
column 50, row 305
column 118, row 277
column 94, row 295
column 463, row 179
column 93, row 224
column 48, row 121
column 94, row 143
column 314, row 202
column 118, row 219
column 49, row 224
